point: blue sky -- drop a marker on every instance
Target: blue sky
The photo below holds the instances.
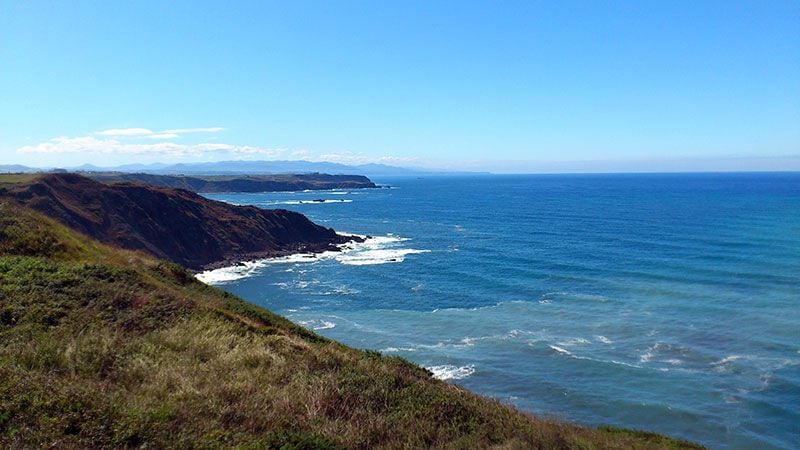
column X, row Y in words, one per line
column 503, row 86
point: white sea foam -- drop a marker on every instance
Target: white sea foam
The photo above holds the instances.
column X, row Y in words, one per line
column 561, row 350
column 726, row 360
column 562, row 295
column 478, row 308
column 622, row 363
column 575, row 341
column 660, row 348
column 325, row 325
column 451, row 372
column 604, row 339
column 374, row 250
column 318, row 324
column 397, row 349
column 373, row 241
column 228, row 274
column 371, row 257
column 566, row 352
column 311, row 202
column 340, row 290
column 249, row 268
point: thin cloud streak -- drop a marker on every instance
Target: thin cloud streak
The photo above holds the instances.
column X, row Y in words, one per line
column 93, row 145
column 128, row 141
column 173, row 133
column 193, row 130
column 125, row 132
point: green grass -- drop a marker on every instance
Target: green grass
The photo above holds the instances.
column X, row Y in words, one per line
column 10, row 179
column 25, row 233
column 101, row 347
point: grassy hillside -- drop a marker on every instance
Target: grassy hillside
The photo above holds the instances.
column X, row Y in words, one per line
column 101, row 347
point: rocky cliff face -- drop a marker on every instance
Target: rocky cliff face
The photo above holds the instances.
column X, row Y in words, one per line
column 173, row 224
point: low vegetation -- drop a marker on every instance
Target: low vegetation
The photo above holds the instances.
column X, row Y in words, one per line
column 102, row 347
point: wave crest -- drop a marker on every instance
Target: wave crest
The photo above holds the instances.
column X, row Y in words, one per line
column 373, row 250
column 451, row 372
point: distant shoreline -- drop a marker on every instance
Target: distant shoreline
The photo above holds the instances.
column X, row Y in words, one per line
column 217, row 184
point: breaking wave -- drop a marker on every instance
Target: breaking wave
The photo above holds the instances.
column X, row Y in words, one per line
column 311, row 202
column 451, row 372
column 374, row 250
column 317, row 324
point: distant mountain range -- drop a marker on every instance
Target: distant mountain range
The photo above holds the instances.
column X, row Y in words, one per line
column 242, row 167
column 16, row 168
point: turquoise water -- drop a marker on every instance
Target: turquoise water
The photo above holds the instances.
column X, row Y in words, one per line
column 663, row 302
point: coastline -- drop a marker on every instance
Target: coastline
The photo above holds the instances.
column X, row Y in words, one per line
column 357, row 250
column 299, row 191
column 310, row 250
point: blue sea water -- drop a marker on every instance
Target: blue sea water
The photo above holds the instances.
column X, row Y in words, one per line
column 668, row 303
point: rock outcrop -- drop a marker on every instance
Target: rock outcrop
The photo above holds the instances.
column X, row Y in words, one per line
column 174, row 224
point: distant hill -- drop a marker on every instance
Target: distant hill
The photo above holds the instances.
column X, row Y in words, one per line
column 272, row 167
column 16, row 168
column 168, row 223
column 241, row 183
column 255, row 168
column 249, row 168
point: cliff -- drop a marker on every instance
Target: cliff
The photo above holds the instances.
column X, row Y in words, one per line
column 172, row 224
column 242, row 183
column 102, row 347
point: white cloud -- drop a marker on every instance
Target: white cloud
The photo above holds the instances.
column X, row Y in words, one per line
column 300, row 154
column 125, row 132
column 142, row 142
column 174, row 133
column 93, row 145
column 193, row 130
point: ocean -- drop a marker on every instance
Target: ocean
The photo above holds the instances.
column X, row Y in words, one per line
column 662, row 302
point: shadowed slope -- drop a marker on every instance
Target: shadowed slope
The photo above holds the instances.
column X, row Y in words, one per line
column 243, row 183
column 168, row 223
